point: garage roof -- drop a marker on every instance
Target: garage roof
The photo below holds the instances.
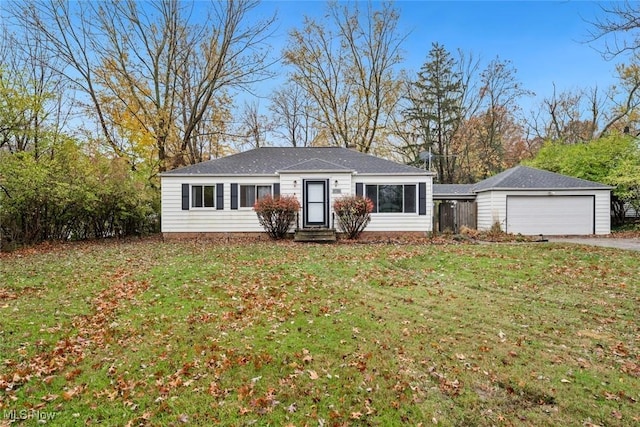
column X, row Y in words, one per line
column 527, row 178
column 516, row 178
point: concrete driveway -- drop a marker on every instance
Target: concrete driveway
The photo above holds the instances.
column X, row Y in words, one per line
column 631, row 244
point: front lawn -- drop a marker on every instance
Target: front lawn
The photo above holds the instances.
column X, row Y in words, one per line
column 193, row 333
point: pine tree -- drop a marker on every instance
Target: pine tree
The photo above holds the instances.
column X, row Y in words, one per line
column 436, row 109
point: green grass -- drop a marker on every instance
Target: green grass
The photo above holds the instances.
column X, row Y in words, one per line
column 153, row 333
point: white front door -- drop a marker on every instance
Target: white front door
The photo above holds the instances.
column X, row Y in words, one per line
column 315, row 204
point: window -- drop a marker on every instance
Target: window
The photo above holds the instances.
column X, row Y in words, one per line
column 248, row 194
column 202, row 196
column 392, row 198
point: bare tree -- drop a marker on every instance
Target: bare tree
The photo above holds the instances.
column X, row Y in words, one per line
column 584, row 115
column 619, row 27
column 563, row 116
column 292, row 115
column 32, row 108
column 346, row 65
column 254, row 126
column 148, row 66
column 624, row 107
column 496, row 125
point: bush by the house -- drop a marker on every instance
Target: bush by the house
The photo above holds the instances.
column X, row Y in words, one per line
column 277, row 214
column 354, row 214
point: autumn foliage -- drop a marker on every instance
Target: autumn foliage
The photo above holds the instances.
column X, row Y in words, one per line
column 276, row 214
column 354, row 214
column 70, row 195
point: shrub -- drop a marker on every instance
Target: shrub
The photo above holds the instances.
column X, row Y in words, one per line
column 496, row 229
column 472, row 233
column 354, row 214
column 277, row 214
column 68, row 194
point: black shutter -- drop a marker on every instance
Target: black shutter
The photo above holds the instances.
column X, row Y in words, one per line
column 234, row 196
column 219, row 196
column 276, row 190
column 410, row 199
column 422, row 198
column 185, row 197
column 359, row 189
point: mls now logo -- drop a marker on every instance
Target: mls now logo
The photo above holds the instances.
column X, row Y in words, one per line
column 29, row 414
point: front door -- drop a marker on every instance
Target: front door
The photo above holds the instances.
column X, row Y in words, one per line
column 315, row 204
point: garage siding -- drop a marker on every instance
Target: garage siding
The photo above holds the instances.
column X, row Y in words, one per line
column 490, row 210
column 492, row 207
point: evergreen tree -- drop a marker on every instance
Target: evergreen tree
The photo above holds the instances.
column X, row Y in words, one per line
column 436, row 100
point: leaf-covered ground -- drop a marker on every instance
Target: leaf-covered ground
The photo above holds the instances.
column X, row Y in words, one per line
column 193, row 333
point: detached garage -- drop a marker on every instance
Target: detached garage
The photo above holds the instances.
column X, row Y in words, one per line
column 531, row 201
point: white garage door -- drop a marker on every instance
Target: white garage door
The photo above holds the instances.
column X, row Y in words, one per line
column 551, row 215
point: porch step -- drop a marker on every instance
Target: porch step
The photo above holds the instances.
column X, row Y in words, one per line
column 315, row 235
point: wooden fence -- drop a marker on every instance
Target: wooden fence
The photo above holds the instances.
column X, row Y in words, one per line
column 455, row 214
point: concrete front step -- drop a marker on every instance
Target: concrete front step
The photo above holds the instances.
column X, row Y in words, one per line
column 315, row 235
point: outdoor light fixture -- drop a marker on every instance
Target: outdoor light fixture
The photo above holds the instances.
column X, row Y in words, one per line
column 335, row 183
column 295, row 183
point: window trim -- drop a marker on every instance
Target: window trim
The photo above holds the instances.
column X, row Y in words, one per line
column 255, row 194
column 376, row 206
column 192, row 200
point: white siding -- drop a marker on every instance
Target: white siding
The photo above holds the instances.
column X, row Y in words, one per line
column 339, row 184
column 630, row 212
column 491, row 210
column 492, row 207
column 341, row 188
column 603, row 211
column 400, row 221
column 208, row 220
column 212, row 220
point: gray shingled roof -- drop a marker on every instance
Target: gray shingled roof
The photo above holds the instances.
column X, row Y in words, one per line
column 453, row 191
column 271, row 160
column 527, row 178
column 516, row 178
column 316, row 165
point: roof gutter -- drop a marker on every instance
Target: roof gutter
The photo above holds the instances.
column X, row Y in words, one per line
column 604, row 187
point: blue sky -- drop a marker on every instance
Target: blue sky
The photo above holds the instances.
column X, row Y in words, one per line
column 544, row 40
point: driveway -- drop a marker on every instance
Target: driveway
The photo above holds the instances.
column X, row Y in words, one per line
column 632, row 244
